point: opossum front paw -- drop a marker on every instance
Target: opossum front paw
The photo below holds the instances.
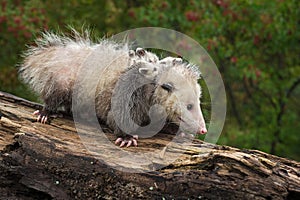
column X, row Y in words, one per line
column 128, row 141
column 41, row 116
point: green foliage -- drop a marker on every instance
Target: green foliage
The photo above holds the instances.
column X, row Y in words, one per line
column 18, row 22
column 254, row 43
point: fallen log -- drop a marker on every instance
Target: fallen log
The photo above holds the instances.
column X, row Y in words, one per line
column 51, row 161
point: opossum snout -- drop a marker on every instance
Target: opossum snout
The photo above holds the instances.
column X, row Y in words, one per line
column 202, row 131
column 200, row 121
column 193, row 120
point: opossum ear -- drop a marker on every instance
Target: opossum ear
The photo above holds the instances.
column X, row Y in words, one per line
column 144, row 71
column 131, row 53
column 177, row 60
column 140, row 51
column 168, row 86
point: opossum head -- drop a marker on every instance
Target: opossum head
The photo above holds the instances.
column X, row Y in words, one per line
column 141, row 54
column 179, row 93
column 170, row 61
column 144, row 70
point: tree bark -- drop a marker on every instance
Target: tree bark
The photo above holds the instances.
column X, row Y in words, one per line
column 50, row 161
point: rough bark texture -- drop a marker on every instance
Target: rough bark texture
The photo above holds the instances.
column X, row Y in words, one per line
column 42, row 161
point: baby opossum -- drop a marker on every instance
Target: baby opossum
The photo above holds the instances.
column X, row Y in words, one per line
column 170, row 61
column 52, row 66
column 141, row 54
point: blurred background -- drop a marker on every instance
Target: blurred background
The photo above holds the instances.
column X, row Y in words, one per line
column 254, row 43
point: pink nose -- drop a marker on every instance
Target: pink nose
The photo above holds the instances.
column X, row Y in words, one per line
column 202, row 131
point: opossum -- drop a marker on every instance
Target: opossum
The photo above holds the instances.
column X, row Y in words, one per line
column 141, row 54
column 174, row 87
column 170, row 61
column 52, row 66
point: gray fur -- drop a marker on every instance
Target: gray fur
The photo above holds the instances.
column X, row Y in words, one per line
column 134, row 94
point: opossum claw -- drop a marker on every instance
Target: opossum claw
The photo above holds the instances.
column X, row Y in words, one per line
column 44, row 119
column 41, row 117
column 118, row 140
column 128, row 142
column 37, row 112
column 38, row 118
column 122, row 143
column 134, row 142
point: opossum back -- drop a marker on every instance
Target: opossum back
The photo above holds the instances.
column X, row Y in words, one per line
column 57, row 59
column 53, row 59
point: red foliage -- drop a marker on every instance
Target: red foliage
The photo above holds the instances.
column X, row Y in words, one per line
column 208, row 47
column 233, row 59
column 27, row 34
column 164, row 5
column 17, row 19
column 10, row 29
column 222, row 3
column 257, row 73
column 34, row 20
column 131, row 13
column 21, row 8
column 256, row 40
column 3, row 19
column 21, row 28
column 211, row 44
column 191, row 16
column 43, row 11
column 33, row 10
column 3, row 5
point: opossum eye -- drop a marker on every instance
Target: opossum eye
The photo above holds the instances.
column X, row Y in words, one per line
column 167, row 86
column 189, row 106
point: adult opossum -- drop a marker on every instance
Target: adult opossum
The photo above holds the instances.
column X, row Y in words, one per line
column 52, row 66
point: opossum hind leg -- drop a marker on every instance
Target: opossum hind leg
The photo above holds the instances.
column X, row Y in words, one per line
column 127, row 141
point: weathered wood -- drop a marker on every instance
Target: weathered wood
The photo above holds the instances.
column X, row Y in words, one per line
column 42, row 161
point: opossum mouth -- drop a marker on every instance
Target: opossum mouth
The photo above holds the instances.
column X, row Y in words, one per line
column 184, row 128
column 181, row 119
